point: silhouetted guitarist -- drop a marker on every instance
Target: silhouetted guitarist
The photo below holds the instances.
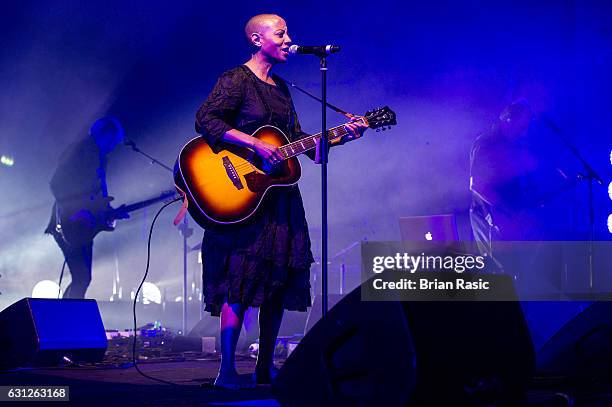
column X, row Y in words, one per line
column 81, row 200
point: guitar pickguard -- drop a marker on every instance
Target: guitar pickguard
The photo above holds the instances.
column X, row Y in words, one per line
column 257, row 182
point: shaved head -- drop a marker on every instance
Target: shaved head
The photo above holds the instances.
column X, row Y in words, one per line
column 259, row 23
column 268, row 37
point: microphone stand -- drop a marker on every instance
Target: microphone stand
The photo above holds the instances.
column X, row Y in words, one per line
column 323, row 151
column 589, row 175
column 323, row 154
column 132, row 144
column 184, row 229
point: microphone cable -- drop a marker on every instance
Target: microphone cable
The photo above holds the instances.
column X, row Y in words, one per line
column 134, row 360
column 59, row 290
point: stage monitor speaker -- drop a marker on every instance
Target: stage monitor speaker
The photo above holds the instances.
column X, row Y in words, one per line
column 41, row 332
column 582, row 348
column 314, row 313
column 422, row 353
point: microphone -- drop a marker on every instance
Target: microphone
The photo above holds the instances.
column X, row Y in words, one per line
column 319, row 50
column 129, row 142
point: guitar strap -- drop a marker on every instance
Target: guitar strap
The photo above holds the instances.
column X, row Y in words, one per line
column 332, row 107
column 183, row 211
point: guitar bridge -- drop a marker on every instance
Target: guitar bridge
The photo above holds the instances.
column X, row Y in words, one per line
column 231, row 173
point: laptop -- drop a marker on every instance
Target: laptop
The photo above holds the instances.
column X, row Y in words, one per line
column 439, row 231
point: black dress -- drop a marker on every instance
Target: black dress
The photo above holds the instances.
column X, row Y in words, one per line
column 246, row 263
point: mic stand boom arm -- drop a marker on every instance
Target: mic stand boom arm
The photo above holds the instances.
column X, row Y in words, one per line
column 590, row 176
column 132, row 144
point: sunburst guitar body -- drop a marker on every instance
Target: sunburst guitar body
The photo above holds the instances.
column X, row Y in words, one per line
column 227, row 187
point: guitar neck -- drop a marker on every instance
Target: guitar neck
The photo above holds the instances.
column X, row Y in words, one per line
column 148, row 202
column 308, row 143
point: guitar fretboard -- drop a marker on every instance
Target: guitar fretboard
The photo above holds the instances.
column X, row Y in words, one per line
column 143, row 204
column 308, row 143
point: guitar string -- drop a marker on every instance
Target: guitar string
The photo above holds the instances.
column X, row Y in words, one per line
column 338, row 131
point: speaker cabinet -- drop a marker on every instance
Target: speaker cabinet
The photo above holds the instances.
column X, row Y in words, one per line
column 40, row 332
column 582, row 348
column 420, row 353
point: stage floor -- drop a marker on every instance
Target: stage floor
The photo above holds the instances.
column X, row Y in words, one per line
column 113, row 386
column 110, row 385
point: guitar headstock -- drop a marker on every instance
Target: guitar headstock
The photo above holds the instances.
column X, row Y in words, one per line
column 381, row 118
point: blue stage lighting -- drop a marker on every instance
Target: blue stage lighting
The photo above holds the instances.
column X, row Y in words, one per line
column 610, row 195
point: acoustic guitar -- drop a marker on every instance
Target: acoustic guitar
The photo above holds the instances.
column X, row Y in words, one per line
column 227, row 187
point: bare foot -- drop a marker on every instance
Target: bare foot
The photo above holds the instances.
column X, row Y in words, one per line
column 233, row 381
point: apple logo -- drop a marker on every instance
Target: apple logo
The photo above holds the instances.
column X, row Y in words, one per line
column 428, row 236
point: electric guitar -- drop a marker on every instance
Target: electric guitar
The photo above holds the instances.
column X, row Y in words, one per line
column 77, row 228
column 227, row 187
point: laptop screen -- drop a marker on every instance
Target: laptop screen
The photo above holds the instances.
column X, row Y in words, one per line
column 437, row 228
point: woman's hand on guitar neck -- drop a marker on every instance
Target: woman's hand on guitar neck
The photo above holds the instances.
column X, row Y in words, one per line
column 354, row 130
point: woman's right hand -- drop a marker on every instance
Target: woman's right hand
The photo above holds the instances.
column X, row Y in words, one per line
column 269, row 154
